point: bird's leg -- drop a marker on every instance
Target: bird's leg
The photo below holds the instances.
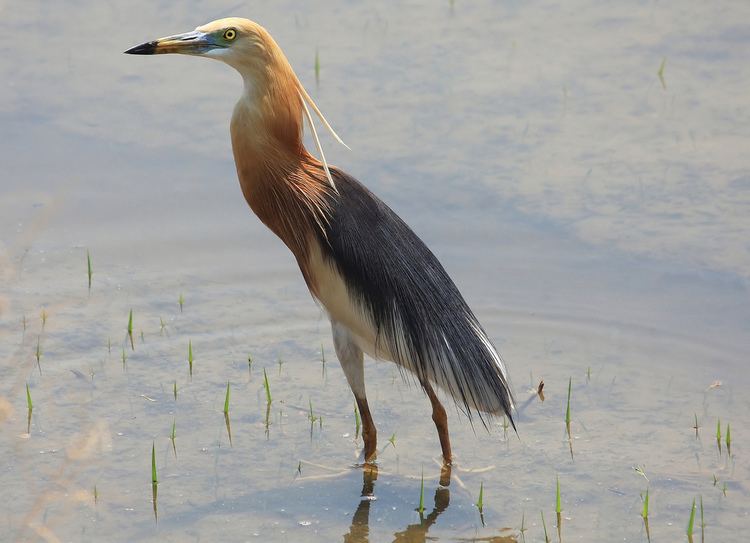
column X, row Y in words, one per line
column 441, row 422
column 369, row 433
column 352, row 362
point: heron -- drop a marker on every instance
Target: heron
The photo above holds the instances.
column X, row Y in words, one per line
column 384, row 292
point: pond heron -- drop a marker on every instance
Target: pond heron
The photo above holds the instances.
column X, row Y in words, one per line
column 384, row 292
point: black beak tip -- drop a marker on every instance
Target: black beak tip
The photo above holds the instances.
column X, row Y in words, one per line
column 147, row 48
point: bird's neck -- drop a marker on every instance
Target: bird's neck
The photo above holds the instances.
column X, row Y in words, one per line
column 283, row 184
column 271, row 102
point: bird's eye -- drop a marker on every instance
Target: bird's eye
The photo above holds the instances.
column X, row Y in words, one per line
column 230, row 34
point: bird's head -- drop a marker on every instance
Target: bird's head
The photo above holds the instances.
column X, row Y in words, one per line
column 270, row 82
column 241, row 43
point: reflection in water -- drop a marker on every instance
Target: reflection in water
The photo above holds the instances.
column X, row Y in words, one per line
column 154, row 492
column 229, row 429
column 359, row 531
column 268, row 420
column 418, row 532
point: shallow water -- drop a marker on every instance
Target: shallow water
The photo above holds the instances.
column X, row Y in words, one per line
column 595, row 219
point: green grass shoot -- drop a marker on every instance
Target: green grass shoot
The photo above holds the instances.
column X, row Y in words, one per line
column 310, row 414
column 691, row 521
column 181, row 301
column 644, row 512
column 588, row 373
column 558, row 504
column 267, row 387
column 420, row 509
column 317, row 66
column 226, row 400
column 190, row 356
column 357, row 422
column 323, row 361
column 703, row 524
column 660, row 73
column 480, row 500
column 29, row 403
column 544, row 525
column 172, row 437
column 38, row 352
column 174, row 390
column 392, row 439
column 567, row 409
column 718, row 433
column 96, row 495
column 729, row 439
column 88, row 265
column 43, row 316
column 130, row 329
column 154, row 478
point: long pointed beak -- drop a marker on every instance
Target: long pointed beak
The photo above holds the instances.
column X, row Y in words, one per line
column 189, row 43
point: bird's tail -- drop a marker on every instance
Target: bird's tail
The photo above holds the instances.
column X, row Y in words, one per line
column 459, row 358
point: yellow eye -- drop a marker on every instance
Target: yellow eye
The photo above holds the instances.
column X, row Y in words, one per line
column 230, row 34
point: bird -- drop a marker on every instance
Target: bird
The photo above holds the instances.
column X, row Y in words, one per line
column 384, row 292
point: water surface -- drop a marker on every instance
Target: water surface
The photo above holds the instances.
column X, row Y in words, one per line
column 594, row 216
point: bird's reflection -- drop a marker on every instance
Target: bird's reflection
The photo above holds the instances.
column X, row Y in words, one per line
column 417, row 533
column 359, row 532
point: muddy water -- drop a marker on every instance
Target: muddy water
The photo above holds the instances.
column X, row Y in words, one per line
column 594, row 216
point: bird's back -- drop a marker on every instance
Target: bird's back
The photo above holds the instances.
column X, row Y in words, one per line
column 375, row 275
